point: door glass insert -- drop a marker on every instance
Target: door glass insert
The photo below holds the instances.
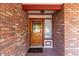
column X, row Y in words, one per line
column 36, row 26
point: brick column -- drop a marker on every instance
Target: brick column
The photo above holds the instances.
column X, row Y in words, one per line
column 13, row 30
column 71, row 19
column 58, row 27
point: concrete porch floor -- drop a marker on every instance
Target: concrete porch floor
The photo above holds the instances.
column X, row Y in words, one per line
column 46, row 52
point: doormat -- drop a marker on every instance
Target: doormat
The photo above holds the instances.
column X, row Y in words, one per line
column 35, row 50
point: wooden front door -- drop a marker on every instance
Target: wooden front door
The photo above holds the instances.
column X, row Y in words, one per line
column 36, row 32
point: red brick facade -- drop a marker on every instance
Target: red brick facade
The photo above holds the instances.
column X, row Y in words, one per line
column 13, row 28
column 71, row 19
column 66, row 30
column 58, row 27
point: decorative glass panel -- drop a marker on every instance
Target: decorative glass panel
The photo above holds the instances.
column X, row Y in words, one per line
column 36, row 26
column 48, row 28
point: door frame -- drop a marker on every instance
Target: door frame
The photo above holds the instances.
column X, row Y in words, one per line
column 31, row 29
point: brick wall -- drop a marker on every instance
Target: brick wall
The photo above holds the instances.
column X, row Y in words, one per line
column 13, row 30
column 58, row 25
column 71, row 19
